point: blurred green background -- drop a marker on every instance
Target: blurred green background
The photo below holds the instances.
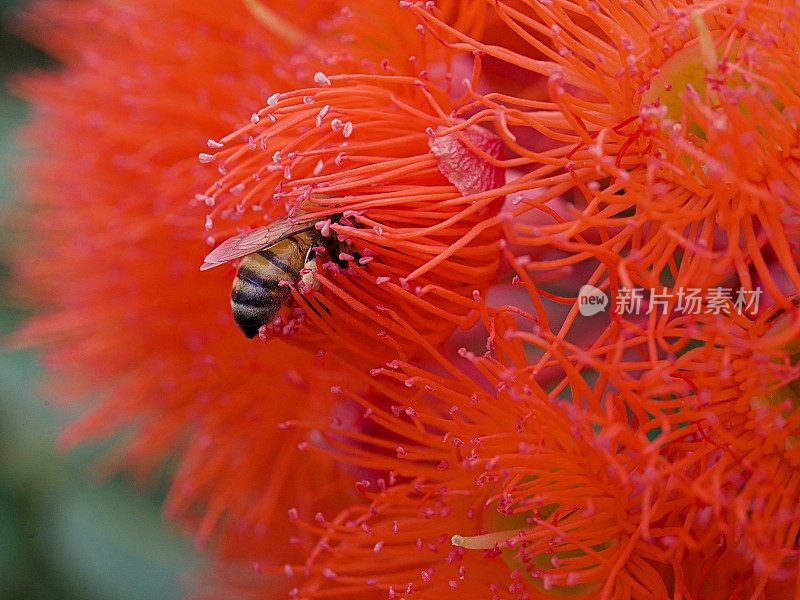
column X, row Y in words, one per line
column 62, row 535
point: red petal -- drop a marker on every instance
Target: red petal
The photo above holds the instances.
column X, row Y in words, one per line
column 470, row 173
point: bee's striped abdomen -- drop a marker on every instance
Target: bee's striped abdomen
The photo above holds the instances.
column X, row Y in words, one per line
column 257, row 295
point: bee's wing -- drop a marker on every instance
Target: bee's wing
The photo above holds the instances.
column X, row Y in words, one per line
column 253, row 241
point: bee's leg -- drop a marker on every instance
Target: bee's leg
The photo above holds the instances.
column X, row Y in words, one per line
column 308, row 281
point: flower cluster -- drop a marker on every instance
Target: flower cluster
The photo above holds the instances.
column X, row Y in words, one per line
column 430, row 413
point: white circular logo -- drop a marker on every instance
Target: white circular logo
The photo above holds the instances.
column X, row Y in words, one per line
column 591, row 300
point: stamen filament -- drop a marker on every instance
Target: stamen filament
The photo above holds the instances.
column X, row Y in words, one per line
column 485, row 541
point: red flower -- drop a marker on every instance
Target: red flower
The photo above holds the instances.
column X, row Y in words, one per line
column 624, row 468
column 414, row 189
column 671, row 127
column 739, row 412
column 534, row 498
column 634, row 458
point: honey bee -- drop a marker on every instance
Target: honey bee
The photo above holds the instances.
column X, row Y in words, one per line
column 281, row 251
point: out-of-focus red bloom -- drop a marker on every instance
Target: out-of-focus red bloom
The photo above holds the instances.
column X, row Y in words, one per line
column 111, row 251
column 113, row 243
